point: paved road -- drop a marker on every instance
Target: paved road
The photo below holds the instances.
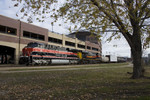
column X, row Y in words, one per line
column 53, row 68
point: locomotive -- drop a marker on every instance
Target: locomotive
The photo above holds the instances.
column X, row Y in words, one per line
column 44, row 54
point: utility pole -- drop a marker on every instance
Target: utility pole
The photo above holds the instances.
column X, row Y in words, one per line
column 52, row 26
column 19, row 40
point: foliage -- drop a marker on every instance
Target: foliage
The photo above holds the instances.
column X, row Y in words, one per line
column 98, row 16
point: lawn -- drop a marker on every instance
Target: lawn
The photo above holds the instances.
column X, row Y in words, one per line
column 83, row 84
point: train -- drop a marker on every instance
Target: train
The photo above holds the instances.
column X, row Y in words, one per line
column 44, row 54
column 113, row 59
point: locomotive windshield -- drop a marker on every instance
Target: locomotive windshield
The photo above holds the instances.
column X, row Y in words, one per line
column 34, row 44
column 91, row 54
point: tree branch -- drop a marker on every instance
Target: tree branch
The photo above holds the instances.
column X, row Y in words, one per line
column 118, row 23
column 142, row 10
column 147, row 16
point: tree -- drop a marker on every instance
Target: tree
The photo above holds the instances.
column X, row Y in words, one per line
column 129, row 18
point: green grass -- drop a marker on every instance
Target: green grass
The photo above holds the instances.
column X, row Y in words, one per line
column 63, row 67
column 84, row 84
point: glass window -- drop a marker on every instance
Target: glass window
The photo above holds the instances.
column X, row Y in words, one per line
column 2, row 29
column 95, row 49
column 34, row 36
column 54, row 40
column 50, row 39
column 69, row 43
column 8, row 30
column 81, row 46
column 59, row 41
column 26, row 34
column 41, row 37
column 88, row 47
column 33, row 44
column 11, row 31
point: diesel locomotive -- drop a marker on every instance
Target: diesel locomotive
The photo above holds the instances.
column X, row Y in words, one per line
column 44, row 54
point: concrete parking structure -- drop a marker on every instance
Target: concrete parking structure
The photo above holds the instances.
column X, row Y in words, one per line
column 15, row 35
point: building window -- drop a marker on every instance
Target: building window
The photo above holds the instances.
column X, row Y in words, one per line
column 8, row 30
column 95, row 49
column 69, row 43
column 41, row 37
column 2, row 29
column 81, row 46
column 26, row 34
column 11, row 31
column 88, row 47
column 60, row 41
column 54, row 40
column 33, row 35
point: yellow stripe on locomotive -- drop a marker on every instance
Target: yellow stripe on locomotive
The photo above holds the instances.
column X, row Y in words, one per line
column 79, row 54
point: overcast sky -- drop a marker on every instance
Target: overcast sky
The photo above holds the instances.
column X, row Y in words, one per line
column 115, row 47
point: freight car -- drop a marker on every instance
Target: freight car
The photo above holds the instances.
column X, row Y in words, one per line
column 105, row 59
column 113, row 59
column 43, row 54
column 121, row 59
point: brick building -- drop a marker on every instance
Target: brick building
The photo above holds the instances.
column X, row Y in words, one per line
column 15, row 34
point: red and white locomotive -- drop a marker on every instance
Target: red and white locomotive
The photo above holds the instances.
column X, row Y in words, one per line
column 43, row 54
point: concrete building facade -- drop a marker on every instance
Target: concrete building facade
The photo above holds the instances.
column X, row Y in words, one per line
column 15, row 34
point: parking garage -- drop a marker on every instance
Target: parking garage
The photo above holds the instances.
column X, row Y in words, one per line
column 15, row 35
column 7, row 55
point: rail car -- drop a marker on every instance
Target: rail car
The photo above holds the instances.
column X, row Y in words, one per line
column 89, row 58
column 43, row 54
column 113, row 59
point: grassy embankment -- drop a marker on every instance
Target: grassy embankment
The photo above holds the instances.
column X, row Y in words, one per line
column 83, row 84
column 26, row 68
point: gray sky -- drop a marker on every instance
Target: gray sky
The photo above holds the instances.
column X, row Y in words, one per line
column 117, row 47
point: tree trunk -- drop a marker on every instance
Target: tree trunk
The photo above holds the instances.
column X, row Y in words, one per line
column 136, row 50
column 138, row 70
